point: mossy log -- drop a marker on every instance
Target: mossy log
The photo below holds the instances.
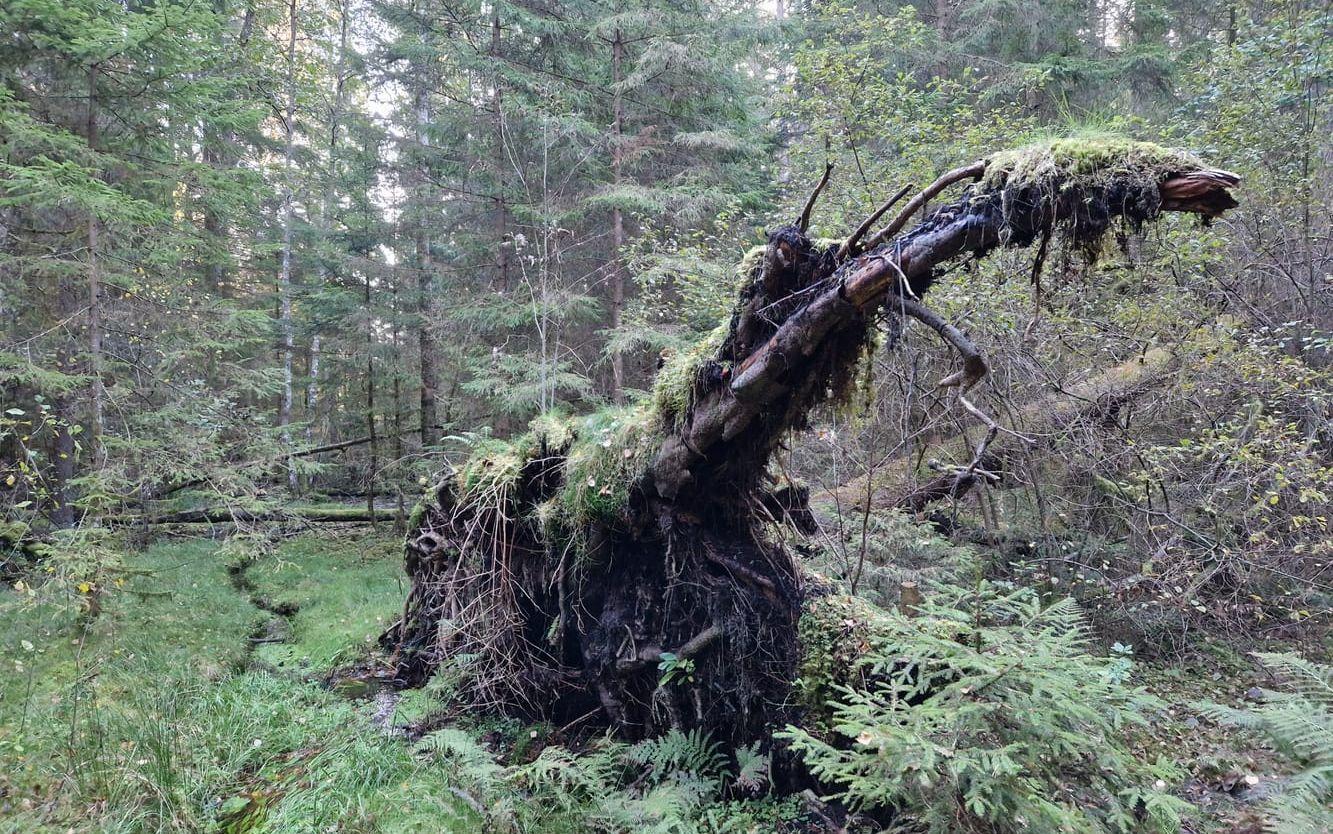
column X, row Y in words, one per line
column 622, row 566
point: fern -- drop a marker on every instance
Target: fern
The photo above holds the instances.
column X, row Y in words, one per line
column 751, row 767
column 691, row 753
column 1299, row 722
column 475, row 763
column 668, row 785
column 987, row 712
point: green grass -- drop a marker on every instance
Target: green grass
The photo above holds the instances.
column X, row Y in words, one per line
column 158, row 720
column 168, row 716
column 344, row 591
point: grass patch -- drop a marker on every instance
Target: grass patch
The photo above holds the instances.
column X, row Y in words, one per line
column 339, row 594
column 613, row 449
column 1085, row 161
column 153, row 722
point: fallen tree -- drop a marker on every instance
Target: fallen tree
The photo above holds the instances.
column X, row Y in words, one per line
column 622, row 564
column 1042, row 429
column 314, row 515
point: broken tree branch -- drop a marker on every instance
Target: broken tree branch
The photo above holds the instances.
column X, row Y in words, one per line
column 974, row 364
column 851, row 246
column 804, row 223
column 928, row 193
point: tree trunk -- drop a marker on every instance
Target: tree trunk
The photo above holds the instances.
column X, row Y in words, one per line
column 95, row 291
column 426, row 347
column 62, row 440
column 617, row 217
column 626, row 563
column 498, row 161
column 285, row 269
column 312, row 389
column 325, row 225
column 372, row 440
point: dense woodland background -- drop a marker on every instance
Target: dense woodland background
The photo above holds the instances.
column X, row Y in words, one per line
column 278, row 265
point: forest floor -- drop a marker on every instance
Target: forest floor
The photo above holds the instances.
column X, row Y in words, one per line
column 200, row 699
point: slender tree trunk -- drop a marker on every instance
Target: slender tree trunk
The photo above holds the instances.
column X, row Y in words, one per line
column 425, row 280
column 95, row 290
column 370, row 402
column 220, row 154
column 335, row 123
column 62, row 443
column 312, row 389
column 400, row 517
column 617, row 217
column 944, row 18
column 285, row 270
column 501, row 206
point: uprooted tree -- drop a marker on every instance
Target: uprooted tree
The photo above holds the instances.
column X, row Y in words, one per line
column 623, row 565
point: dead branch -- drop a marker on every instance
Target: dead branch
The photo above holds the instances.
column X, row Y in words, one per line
column 804, row 222
column 851, row 246
column 965, row 172
column 974, row 364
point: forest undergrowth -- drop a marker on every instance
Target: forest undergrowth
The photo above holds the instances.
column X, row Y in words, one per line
column 224, row 689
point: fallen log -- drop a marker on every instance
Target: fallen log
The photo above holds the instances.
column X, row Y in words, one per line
column 314, row 515
column 1053, row 421
column 560, row 563
column 275, row 460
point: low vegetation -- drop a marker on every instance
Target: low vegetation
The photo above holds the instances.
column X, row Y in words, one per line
column 213, row 693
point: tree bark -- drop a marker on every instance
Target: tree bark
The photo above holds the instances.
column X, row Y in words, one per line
column 502, row 242
column 95, row 290
column 371, row 439
column 426, row 347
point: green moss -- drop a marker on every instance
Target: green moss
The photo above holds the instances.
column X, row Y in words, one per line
column 426, row 503
column 613, row 450
column 552, row 430
column 492, row 469
column 674, row 388
column 1085, row 161
column 835, row 631
column 750, row 264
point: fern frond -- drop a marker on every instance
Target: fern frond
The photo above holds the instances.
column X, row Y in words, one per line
column 1312, row 681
